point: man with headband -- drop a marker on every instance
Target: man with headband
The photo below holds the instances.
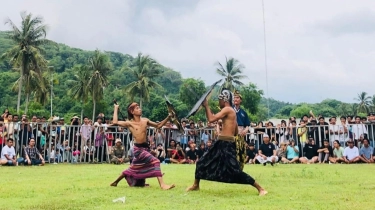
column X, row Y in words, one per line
column 144, row 165
column 243, row 123
column 219, row 163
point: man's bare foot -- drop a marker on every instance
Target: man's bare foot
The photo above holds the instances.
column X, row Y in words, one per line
column 192, row 188
column 263, row 193
column 167, row 187
column 114, row 184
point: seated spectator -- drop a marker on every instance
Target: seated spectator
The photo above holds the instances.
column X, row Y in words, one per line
column 89, row 151
column 292, row 153
column 188, row 145
column 267, row 151
column 32, row 155
column 8, row 154
column 160, row 153
column 192, row 155
column 201, row 150
column 251, row 154
column 310, row 153
column 366, row 152
column 325, row 152
column 118, row 153
column 76, row 153
column 281, row 153
column 51, row 154
column 172, row 146
column 338, row 153
column 351, row 153
column 209, row 144
column 178, row 155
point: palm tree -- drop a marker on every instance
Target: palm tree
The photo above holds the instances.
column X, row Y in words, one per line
column 364, row 102
column 79, row 86
column 232, row 73
column 373, row 103
column 145, row 70
column 26, row 55
column 354, row 109
column 99, row 67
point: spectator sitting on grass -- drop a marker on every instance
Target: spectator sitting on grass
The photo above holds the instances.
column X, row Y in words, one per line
column 267, row 151
column 160, row 153
column 325, row 152
column 32, row 155
column 251, row 154
column 338, row 153
column 292, row 153
column 209, row 144
column 310, row 152
column 281, row 153
column 351, row 153
column 8, row 154
column 118, row 153
column 178, row 155
column 366, row 152
column 192, row 155
column 201, row 150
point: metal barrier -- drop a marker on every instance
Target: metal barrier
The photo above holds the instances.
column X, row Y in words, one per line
column 89, row 144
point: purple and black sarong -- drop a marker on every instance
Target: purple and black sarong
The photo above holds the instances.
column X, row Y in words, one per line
column 143, row 166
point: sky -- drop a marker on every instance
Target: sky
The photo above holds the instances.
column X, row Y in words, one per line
column 316, row 49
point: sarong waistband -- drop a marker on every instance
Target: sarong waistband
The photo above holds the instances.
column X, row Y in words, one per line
column 144, row 145
column 226, row 138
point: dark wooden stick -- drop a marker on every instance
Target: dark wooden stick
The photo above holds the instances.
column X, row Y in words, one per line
column 115, row 102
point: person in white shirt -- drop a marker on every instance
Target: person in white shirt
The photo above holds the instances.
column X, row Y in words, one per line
column 358, row 130
column 8, row 154
column 351, row 153
column 334, row 130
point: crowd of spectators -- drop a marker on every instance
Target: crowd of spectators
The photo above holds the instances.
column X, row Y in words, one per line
column 38, row 140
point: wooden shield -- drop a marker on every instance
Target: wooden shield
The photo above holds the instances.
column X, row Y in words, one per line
column 174, row 119
column 198, row 105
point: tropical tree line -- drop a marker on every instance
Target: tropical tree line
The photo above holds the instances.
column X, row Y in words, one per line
column 86, row 82
column 46, row 71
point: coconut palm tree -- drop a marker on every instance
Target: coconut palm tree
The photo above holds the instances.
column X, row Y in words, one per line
column 26, row 54
column 79, row 86
column 364, row 102
column 99, row 67
column 145, row 69
column 232, row 73
column 373, row 103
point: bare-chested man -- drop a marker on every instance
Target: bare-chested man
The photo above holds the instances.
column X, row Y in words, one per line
column 144, row 164
column 219, row 163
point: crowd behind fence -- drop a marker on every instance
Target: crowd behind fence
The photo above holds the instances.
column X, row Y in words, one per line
column 86, row 143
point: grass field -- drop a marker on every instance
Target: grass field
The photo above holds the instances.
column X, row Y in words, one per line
column 66, row 186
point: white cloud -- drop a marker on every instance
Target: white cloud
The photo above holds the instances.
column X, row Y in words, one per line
column 316, row 49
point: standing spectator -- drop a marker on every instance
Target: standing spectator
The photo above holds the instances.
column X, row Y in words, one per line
column 85, row 131
column 67, row 152
column 159, row 136
column 359, row 130
column 100, row 140
column 310, row 152
column 192, row 132
column 32, row 155
column 325, row 152
column 8, row 154
column 281, row 132
column 366, row 152
column 334, row 130
column 323, row 131
column 267, row 151
column 205, row 136
column 89, row 151
column 302, row 133
column 343, row 136
column 25, row 132
column 351, row 153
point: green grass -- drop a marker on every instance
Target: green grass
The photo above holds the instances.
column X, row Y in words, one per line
column 66, row 186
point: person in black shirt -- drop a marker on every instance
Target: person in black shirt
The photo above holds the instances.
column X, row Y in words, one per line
column 267, row 151
column 325, row 151
column 201, row 150
column 251, row 153
column 310, row 152
column 192, row 155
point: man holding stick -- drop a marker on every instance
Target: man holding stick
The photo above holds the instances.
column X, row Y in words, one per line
column 144, row 164
column 219, row 163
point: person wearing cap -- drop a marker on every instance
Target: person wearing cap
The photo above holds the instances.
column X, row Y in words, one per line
column 243, row 123
column 118, row 153
column 351, row 153
column 267, row 151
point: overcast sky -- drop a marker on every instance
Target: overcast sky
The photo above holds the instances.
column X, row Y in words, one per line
column 316, row 49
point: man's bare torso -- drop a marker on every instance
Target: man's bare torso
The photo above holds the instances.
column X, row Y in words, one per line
column 229, row 122
column 139, row 130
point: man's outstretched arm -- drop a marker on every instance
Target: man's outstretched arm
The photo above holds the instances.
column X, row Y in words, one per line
column 160, row 124
column 115, row 119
